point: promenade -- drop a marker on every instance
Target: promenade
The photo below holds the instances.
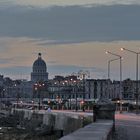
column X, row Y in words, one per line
column 127, row 126
column 100, row 130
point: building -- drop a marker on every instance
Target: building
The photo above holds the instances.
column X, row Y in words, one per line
column 68, row 87
column 20, row 89
column 114, row 90
column 96, row 88
column 128, row 89
column 1, row 80
column 39, row 72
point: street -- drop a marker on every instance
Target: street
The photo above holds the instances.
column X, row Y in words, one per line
column 127, row 126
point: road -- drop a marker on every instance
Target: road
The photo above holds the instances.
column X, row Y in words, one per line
column 127, row 126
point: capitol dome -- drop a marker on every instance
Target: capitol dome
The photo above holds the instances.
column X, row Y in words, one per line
column 39, row 65
column 39, row 70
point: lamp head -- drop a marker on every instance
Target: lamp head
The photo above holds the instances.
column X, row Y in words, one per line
column 106, row 52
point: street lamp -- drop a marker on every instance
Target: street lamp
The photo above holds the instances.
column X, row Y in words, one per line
column 109, row 62
column 137, row 88
column 75, row 90
column 120, row 58
column 76, row 87
column 38, row 87
column 72, row 84
column 82, row 74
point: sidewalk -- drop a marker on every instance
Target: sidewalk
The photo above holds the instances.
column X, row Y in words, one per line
column 127, row 126
column 100, row 130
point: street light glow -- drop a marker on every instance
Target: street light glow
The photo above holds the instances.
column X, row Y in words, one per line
column 106, row 52
column 82, row 102
column 35, row 88
column 122, row 49
column 118, row 101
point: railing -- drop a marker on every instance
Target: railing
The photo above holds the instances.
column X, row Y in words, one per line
column 123, row 108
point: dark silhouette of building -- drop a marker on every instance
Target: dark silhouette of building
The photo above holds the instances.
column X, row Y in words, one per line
column 39, row 70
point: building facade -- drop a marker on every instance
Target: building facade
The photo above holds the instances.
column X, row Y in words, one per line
column 68, row 87
column 96, row 88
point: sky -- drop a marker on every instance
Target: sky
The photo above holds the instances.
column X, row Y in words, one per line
column 72, row 35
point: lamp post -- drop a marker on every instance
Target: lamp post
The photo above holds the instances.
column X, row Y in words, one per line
column 68, row 84
column 72, row 84
column 137, row 88
column 83, row 75
column 109, row 62
column 76, row 90
column 120, row 58
column 76, row 82
column 38, row 87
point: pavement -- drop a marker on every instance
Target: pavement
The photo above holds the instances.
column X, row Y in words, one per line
column 127, row 126
column 99, row 130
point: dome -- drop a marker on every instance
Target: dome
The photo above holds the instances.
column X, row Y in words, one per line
column 39, row 72
column 39, row 64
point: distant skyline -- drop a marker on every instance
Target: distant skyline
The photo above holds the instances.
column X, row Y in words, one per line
column 71, row 35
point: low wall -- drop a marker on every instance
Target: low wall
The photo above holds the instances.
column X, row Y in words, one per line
column 66, row 122
column 70, row 123
column 101, row 130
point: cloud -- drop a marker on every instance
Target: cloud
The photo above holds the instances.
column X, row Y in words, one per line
column 72, row 24
column 50, row 3
column 65, row 59
column 70, row 38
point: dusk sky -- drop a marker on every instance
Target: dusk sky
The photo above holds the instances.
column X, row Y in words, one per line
column 72, row 35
